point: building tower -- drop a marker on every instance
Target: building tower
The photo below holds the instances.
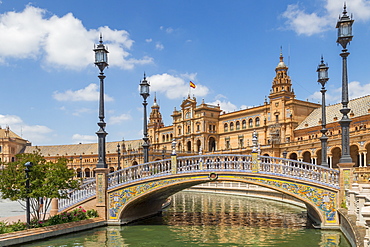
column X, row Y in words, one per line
column 155, row 118
column 281, row 85
column 155, row 122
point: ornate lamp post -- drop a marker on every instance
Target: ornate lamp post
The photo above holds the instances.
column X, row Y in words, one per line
column 344, row 26
column 322, row 72
column 28, row 166
column 101, row 60
column 118, row 157
column 81, row 166
column 144, row 92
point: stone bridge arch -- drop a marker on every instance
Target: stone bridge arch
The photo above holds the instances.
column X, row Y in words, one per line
column 139, row 200
column 140, row 190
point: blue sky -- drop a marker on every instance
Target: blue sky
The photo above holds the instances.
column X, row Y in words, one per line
column 229, row 49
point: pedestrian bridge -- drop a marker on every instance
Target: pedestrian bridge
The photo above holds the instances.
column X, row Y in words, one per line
column 141, row 190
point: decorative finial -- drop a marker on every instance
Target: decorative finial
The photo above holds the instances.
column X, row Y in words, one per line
column 345, row 9
column 322, row 59
column 144, row 75
column 281, row 54
column 101, row 39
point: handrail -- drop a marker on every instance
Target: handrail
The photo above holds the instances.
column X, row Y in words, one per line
column 211, row 163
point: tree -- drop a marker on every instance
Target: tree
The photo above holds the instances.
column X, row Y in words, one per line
column 48, row 180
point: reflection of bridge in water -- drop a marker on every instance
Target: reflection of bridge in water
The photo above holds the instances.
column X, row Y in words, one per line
column 140, row 191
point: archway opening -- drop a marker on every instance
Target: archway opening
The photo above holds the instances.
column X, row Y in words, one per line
column 212, row 144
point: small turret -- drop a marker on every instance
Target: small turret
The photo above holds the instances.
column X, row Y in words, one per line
column 155, row 118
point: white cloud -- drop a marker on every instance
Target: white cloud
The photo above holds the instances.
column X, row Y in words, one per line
column 167, row 30
column 355, row 90
column 304, row 23
column 159, row 46
column 176, row 86
column 34, row 133
column 148, row 40
column 81, row 111
column 119, row 119
column 61, row 41
column 226, row 106
column 89, row 93
column 77, row 138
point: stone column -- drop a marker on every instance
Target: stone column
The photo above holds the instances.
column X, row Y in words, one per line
column 345, row 179
column 365, row 159
column 54, row 207
column 366, row 216
column 330, row 161
column 359, row 159
column 101, row 192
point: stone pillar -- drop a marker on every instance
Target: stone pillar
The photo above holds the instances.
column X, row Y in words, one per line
column 54, row 207
column 101, row 192
column 174, row 164
column 345, row 179
column 366, row 216
column 351, row 203
column 365, row 159
column 361, row 202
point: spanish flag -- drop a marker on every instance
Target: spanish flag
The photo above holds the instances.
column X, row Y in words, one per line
column 192, row 85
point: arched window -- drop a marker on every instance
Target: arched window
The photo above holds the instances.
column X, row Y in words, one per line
column 87, row 172
column 226, row 127
column 163, row 138
column 237, row 125
column 244, row 124
column 250, row 122
column 257, row 121
column 231, row 126
column 179, row 130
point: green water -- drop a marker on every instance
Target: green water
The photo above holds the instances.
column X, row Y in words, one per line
column 202, row 219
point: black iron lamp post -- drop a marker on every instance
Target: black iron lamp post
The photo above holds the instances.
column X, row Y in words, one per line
column 344, row 26
column 118, row 157
column 322, row 72
column 101, row 60
column 81, row 166
column 28, row 166
column 144, row 92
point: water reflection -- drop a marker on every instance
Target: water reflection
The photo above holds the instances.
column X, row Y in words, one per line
column 196, row 219
column 209, row 210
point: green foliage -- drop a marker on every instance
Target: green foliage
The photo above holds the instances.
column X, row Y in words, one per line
column 92, row 213
column 66, row 217
column 47, row 180
column 18, row 226
column 4, row 228
column 343, row 204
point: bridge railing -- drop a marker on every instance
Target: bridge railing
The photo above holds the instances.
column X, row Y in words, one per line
column 299, row 170
column 86, row 190
column 228, row 162
column 212, row 163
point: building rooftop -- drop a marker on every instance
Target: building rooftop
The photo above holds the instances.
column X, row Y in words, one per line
column 84, row 149
column 359, row 107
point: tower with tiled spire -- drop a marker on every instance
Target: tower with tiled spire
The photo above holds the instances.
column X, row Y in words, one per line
column 281, row 85
column 155, row 118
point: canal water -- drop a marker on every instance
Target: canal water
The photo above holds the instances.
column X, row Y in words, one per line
column 205, row 219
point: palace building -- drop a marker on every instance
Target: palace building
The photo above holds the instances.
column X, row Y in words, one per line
column 285, row 126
